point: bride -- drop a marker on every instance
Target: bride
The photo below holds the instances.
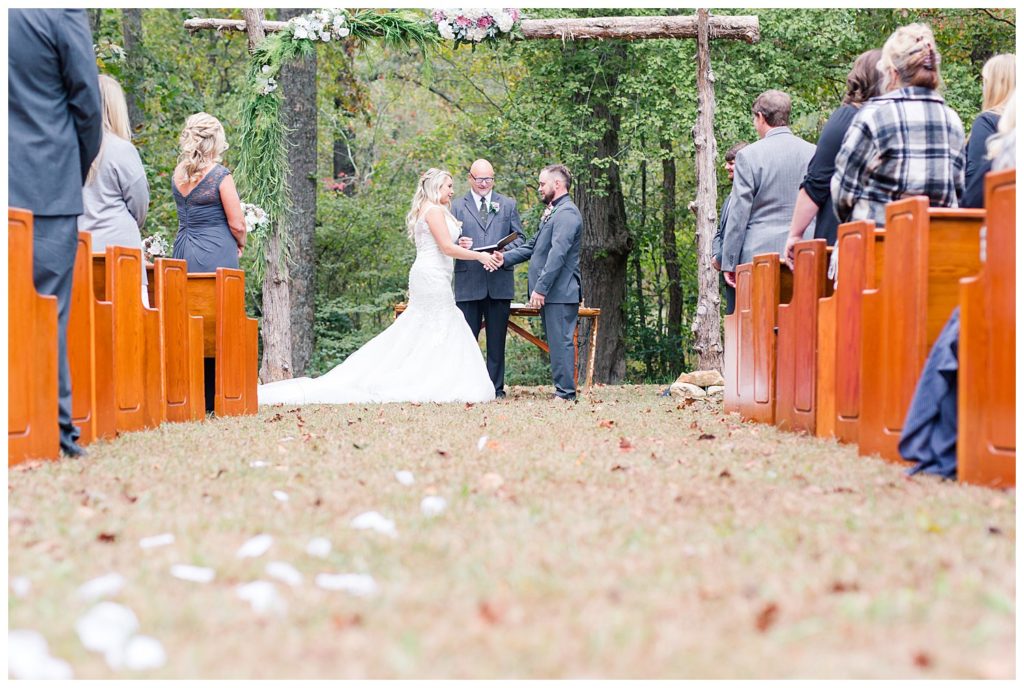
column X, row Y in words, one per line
column 428, row 353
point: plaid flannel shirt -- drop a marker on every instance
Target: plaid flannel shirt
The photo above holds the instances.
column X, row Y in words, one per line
column 904, row 143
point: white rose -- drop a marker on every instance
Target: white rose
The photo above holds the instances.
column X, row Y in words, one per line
column 505, row 23
column 300, row 32
column 342, row 32
column 325, row 36
column 445, row 29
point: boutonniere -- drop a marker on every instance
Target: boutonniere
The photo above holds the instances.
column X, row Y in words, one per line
column 493, row 207
column 547, row 213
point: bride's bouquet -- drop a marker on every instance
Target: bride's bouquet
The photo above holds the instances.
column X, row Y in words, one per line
column 476, row 25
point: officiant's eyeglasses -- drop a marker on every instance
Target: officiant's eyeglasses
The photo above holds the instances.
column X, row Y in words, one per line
column 482, row 180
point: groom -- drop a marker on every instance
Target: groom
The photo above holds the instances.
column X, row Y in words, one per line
column 486, row 217
column 554, row 276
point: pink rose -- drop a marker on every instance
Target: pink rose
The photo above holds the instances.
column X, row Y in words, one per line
column 484, row 22
column 463, row 21
column 514, row 13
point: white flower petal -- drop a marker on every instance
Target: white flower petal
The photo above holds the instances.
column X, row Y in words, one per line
column 21, row 586
column 284, row 572
column 280, row 496
column 194, row 574
column 262, row 596
column 104, row 586
column 372, row 520
column 358, row 584
column 107, row 625
column 319, row 547
column 157, row 541
column 140, row 653
column 28, row 658
column 404, row 477
column 255, row 546
column 433, row 505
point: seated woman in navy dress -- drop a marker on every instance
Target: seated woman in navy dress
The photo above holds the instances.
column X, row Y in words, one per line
column 211, row 226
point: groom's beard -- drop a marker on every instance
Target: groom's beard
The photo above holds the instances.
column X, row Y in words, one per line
column 547, row 197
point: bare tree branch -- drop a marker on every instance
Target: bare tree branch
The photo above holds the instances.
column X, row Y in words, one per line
column 997, row 18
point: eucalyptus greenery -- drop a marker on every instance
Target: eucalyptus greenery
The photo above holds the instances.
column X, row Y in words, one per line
column 263, row 160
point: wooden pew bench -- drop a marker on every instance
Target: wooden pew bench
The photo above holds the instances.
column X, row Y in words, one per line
column 927, row 252
column 797, row 356
column 32, row 431
column 750, row 348
column 986, row 414
column 861, row 248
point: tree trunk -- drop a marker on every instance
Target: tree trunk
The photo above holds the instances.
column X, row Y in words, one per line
column 131, row 28
column 668, row 238
column 638, row 269
column 606, row 240
column 707, row 324
column 298, row 114
column 343, row 166
column 94, row 22
column 277, row 341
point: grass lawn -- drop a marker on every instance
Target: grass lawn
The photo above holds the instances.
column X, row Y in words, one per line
column 625, row 536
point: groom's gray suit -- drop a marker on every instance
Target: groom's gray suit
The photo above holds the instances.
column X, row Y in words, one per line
column 483, row 295
column 554, row 255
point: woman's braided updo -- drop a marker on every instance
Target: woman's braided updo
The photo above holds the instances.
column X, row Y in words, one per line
column 202, row 142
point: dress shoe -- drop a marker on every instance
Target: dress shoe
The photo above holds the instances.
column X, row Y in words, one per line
column 72, row 449
column 565, row 399
column 499, row 395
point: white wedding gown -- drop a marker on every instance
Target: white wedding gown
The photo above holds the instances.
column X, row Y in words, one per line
column 427, row 354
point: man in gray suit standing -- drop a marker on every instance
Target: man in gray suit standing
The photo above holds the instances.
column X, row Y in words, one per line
column 765, row 186
column 486, row 216
column 55, row 126
column 554, row 275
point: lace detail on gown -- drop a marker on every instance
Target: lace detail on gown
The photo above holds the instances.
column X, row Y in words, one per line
column 427, row 354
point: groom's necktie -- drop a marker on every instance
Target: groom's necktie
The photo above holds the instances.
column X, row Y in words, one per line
column 483, row 210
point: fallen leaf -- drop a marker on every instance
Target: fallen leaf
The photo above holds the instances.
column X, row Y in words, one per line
column 995, row 530
column 442, row 452
column 839, row 587
column 767, row 617
column 107, row 537
column 343, row 621
column 706, row 436
column 922, row 659
column 606, row 423
column 725, row 474
column 625, row 444
column 470, row 405
column 491, row 612
column 276, row 417
column 619, row 467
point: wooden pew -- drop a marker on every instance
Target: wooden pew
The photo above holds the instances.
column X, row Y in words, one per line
column 797, row 355
column 139, row 380
column 986, row 403
column 90, row 351
column 229, row 337
column 181, row 337
column 771, row 284
column 32, row 431
column 927, row 251
column 737, row 368
column 861, row 248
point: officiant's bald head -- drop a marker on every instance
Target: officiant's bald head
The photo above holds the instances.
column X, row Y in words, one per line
column 481, row 177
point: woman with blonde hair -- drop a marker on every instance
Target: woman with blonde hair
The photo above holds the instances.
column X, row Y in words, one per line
column 211, row 226
column 428, row 353
column 998, row 81
column 115, row 197
column 905, row 142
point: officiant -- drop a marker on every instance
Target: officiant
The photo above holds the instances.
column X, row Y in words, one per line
column 486, row 297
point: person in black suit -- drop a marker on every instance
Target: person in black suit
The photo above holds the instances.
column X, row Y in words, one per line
column 716, row 243
column 55, row 126
column 486, row 216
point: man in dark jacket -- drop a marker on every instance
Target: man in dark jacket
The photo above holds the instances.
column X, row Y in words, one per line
column 487, row 216
column 554, row 275
column 55, row 126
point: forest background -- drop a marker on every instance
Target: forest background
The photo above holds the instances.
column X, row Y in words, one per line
column 619, row 114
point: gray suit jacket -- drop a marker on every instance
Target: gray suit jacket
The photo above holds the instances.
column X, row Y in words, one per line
column 764, row 190
column 716, row 242
column 472, row 281
column 55, row 124
column 554, row 255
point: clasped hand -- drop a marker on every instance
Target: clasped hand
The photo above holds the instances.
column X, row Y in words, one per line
column 492, row 261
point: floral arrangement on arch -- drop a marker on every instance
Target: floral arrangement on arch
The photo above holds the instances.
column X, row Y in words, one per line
column 474, row 26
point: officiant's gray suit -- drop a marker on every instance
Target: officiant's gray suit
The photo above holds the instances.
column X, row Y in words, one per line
column 482, row 295
column 554, row 255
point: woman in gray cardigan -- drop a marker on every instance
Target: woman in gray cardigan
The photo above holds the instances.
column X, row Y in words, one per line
column 116, row 193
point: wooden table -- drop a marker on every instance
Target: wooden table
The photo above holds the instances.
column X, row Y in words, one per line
column 522, row 310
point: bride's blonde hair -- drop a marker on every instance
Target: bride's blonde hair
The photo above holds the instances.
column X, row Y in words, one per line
column 428, row 192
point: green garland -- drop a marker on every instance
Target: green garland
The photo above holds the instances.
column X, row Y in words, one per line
column 262, row 168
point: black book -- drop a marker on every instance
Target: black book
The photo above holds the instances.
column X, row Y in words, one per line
column 505, row 241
